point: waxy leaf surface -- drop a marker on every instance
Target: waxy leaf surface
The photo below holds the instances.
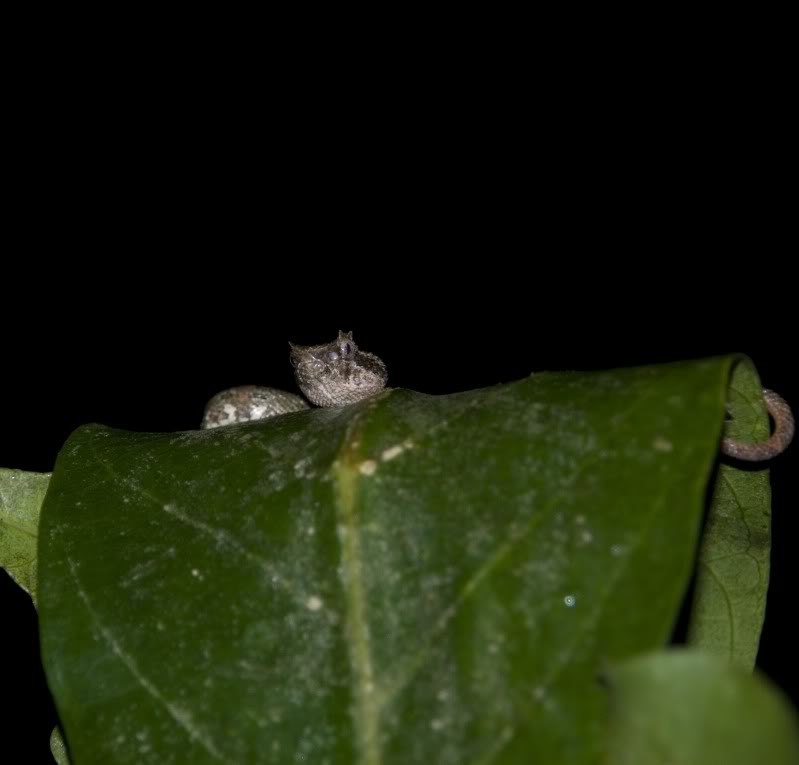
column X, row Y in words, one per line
column 411, row 579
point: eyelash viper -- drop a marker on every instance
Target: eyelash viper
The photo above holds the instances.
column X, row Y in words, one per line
column 339, row 373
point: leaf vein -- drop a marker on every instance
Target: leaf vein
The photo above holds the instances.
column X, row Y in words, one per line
column 179, row 714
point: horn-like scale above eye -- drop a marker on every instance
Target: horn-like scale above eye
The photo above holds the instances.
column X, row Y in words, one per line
column 340, row 374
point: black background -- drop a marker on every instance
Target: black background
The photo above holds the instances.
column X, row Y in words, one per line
column 155, row 256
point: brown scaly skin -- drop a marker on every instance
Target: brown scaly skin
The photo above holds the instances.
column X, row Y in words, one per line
column 778, row 441
column 337, row 373
column 249, row 402
column 331, row 374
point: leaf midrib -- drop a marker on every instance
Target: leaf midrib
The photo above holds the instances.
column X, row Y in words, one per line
column 365, row 711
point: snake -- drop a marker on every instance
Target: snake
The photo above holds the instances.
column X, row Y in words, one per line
column 777, row 442
column 329, row 375
column 339, row 373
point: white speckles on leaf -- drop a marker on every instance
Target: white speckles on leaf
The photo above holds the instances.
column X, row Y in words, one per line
column 182, row 716
column 394, row 451
column 391, row 453
column 314, row 603
column 570, row 601
column 301, row 468
column 662, row 444
column 368, row 467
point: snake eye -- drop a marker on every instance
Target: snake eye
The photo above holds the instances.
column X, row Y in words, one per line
column 332, row 355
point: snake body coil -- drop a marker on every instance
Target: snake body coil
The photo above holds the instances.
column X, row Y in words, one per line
column 777, row 443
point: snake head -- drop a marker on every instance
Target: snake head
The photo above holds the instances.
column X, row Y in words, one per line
column 337, row 373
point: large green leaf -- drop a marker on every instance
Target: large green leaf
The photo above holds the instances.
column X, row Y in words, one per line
column 411, row 579
column 21, row 498
column 733, row 571
column 692, row 708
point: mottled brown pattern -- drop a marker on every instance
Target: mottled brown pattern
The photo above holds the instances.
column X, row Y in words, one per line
column 249, row 402
column 332, row 374
column 337, row 373
column 778, row 441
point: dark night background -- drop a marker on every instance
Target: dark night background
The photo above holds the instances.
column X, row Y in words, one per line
column 142, row 347
column 147, row 271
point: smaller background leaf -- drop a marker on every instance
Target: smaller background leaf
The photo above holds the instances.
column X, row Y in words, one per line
column 729, row 603
column 694, row 708
column 58, row 748
column 21, row 497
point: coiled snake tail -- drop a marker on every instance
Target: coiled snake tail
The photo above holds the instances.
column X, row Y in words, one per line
column 777, row 443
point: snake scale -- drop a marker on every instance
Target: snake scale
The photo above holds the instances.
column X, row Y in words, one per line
column 332, row 374
column 339, row 373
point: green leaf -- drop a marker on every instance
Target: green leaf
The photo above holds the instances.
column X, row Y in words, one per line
column 21, row 498
column 411, row 579
column 58, row 747
column 732, row 577
column 693, row 708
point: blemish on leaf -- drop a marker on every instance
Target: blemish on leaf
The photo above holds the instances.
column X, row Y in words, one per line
column 395, row 451
column 314, row 603
column 368, row 467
